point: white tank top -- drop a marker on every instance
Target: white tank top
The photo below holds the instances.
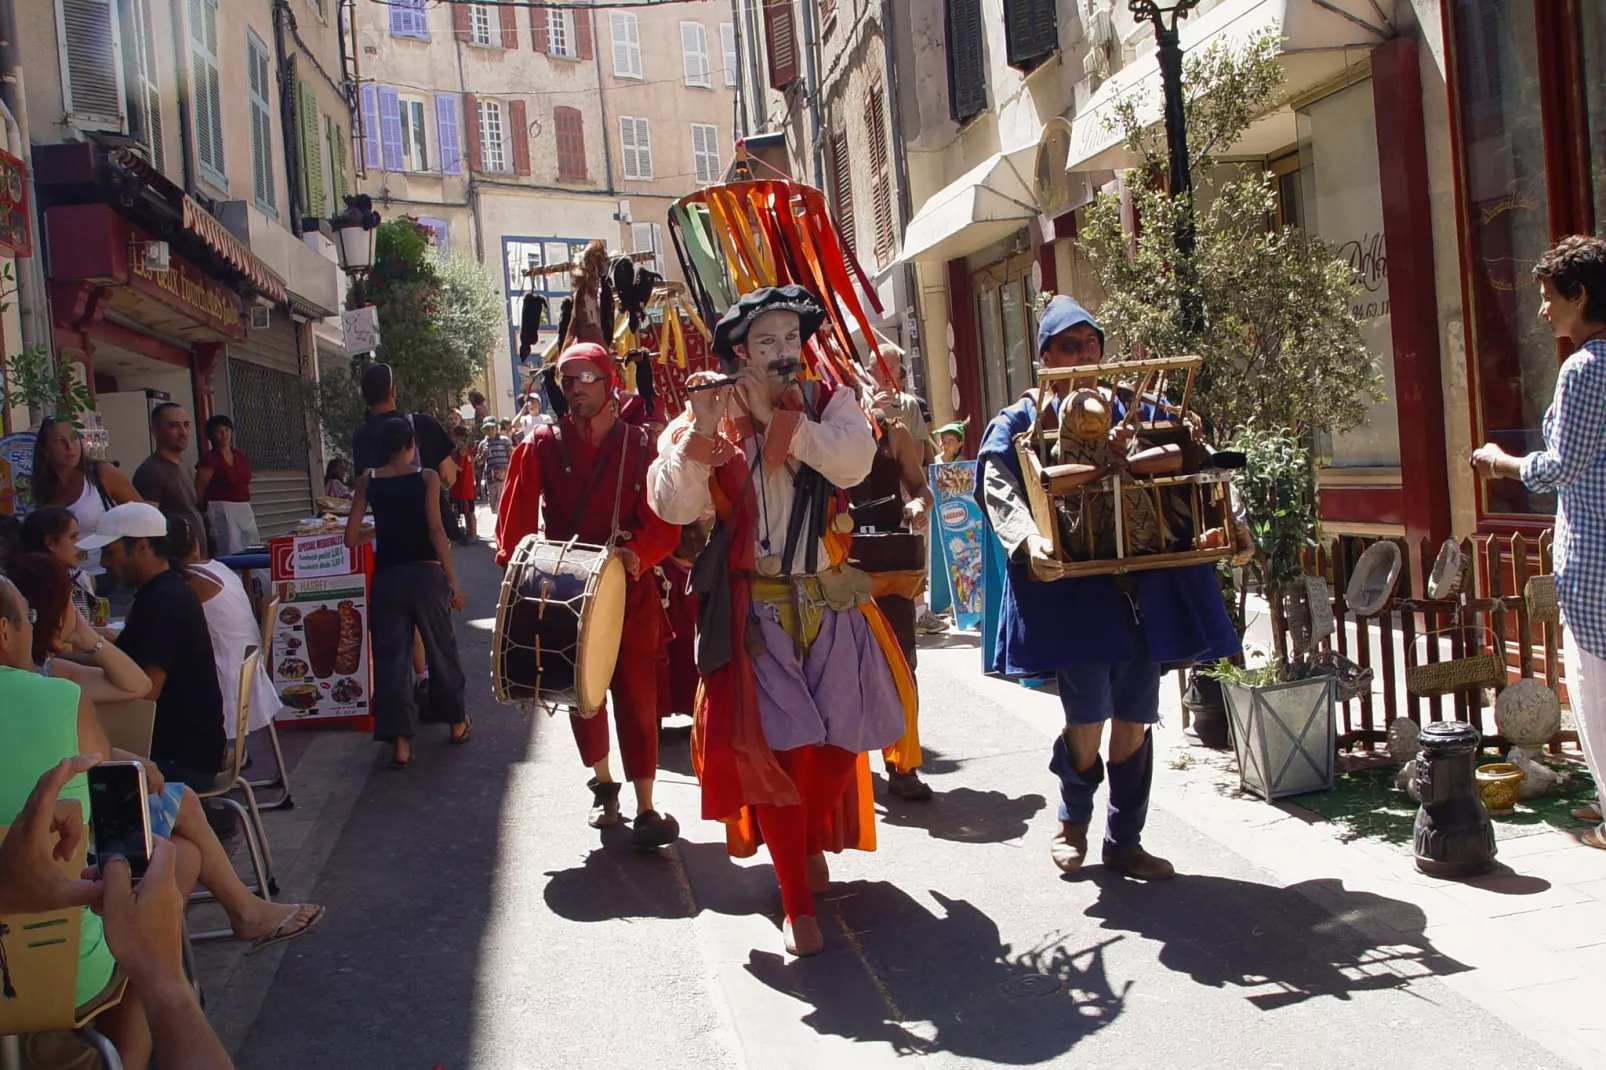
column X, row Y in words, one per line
column 89, row 508
column 233, row 628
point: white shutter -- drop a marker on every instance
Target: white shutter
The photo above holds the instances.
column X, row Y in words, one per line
column 643, row 149
column 206, row 95
column 259, row 84
column 705, row 152
column 727, row 40
column 91, row 64
column 694, row 53
column 625, row 33
column 150, row 85
column 636, row 144
column 647, row 236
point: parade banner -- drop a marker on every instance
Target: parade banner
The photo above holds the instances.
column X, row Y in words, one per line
column 959, row 530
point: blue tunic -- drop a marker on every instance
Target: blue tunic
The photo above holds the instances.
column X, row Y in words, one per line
column 1046, row 626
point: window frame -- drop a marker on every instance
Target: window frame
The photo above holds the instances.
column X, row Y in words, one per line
column 632, row 45
column 655, row 242
column 214, row 171
column 478, row 13
column 636, row 148
column 705, row 175
column 561, row 40
column 412, row 11
column 560, row 114
column 700, row 55
column 405, row 102
column 730, row 54
column 483, row 106
column 256, row 49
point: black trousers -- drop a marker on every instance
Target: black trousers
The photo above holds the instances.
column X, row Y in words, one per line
column 402, row 598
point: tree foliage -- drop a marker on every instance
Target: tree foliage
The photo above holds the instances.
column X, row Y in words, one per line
column 1280, row 345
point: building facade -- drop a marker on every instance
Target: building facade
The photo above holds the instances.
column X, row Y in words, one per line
column 520, row 135
column 183, row 154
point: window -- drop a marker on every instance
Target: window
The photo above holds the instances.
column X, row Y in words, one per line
column 414, row 151
column 148, row 85
column 842, row 190
column 451, row 153
column 967, row 73
column 569, row 126
column 626, row 34
column 479, row 26
column 258, row 85
column 493, row 153
column 439, row 234
column 781, row 36
column 206, row 94
column 560, row 34
column 337, row 160
column 309, row 142
column 727, row 40
column 694, row 53
column 705, row 153
column 91, row 70
column 636, row 145
column 1031, row 32
column 875, row 131
column 407, row 19
column 645, row 236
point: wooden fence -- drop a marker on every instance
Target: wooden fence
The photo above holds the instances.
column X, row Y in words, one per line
column 1492, row 616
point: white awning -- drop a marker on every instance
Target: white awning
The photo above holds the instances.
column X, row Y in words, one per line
column 990, row 201
column 1321, row 39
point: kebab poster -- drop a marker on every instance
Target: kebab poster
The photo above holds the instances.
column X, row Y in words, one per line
column 320, row 648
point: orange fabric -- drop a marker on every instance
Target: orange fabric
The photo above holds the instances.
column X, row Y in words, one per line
column 905, row 753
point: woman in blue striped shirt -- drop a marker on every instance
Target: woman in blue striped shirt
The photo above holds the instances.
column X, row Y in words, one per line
column 1572, row 282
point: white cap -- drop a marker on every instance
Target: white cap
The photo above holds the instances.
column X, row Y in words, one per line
column 131, row 520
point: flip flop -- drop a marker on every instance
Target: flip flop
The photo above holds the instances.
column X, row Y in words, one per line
column 399, row 763
column 1590, row 813
column 468, row 730
column 279, row 936
column 1595, row 837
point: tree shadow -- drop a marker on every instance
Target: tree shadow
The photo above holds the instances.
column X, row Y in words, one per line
column 965, row 815
column 1280, row 946
column 944, row 983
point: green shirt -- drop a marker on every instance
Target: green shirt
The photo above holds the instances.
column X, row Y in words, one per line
column 38, row 728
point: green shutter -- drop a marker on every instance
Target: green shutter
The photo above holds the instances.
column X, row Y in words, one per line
column 337, row 162
column 313, row 201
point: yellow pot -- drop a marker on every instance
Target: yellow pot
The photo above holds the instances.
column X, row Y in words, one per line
column 1497, row 786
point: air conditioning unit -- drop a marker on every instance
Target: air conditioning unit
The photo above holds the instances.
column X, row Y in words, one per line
column 259, row 317
column 623, row 214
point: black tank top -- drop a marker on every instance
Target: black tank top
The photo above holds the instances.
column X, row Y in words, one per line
column 401, row 529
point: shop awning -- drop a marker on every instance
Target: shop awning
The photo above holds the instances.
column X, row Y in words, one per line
column 1321, row 39
column 990, row 201
column 205, row 226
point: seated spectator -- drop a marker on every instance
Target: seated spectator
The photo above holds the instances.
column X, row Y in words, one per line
column 335, row 474
column 463, row 492
column 72, row 650
column 53, row 530
column 167, row 636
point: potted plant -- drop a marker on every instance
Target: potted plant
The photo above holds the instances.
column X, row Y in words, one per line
column 43, row 386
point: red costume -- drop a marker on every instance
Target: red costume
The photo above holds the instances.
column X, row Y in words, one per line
column 548, row 478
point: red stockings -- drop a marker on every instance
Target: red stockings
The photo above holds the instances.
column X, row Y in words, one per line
column 821, row 774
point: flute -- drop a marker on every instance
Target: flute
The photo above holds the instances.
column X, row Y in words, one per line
column 712, row 384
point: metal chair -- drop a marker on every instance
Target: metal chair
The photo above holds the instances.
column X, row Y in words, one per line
column 256, row 836
column 281, row 775
column 128, row 724
column 42, row 959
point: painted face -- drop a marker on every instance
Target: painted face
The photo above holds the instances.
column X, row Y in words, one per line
column 585, row 388
column 172, row 430
column 775, row 343
column 1073, row 347
column 63, row 446
column 1564, row 314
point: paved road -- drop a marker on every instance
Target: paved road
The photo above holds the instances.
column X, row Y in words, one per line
column 475, row 921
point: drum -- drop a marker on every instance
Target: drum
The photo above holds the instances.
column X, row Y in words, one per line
column 559, row 621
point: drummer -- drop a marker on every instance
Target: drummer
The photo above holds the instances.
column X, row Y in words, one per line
column 586, row 475
column 801, row 675
column 1103, row 637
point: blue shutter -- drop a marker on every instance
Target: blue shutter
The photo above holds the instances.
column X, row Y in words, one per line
column 370, row 122
column 446, row 125
column 390, row 133
column 407, row 19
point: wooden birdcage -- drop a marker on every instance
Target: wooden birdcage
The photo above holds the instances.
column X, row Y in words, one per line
column 1111, row 507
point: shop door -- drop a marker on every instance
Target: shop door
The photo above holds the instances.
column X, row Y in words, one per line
column 267, row 404
column 1006, row 329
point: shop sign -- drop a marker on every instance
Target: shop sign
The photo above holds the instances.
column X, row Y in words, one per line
column 359, row 329
column 185, row 283
column 14, row 230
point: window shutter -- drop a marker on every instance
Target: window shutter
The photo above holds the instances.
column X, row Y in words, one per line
column 390, row 131
column 460, row 27
column 842, row 189
column 313, row 201
column 206, row 95
column 149, row 105
column 519, row 120
column 510, row 26
column 370, row 126
column 643, row 149
column 584, row 47
column 627, row 147
column 446, row 131
column 407, row 19
column 967, row 74
column 569, row 125
column 337, row 161
column 875, row 128
column 538, row 31
column 92, row 76
column 694, row 53
column 1031, row 32
column 259, row 82
column 727, row 41
column 645, row 237
column 471, row 131
column 781, row 38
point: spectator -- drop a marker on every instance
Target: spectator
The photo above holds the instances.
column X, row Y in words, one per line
column 951, row 439
column 496, row 451
column 53, row 530
column 1572, row 287
column 463, row 492
column 167, row 636
column 223, row 486
column 70, row 649
column 335, row 474
column 232, row 624
column 160, row 478
column 481, row 410
column 529, row 417
column 64, row 474
column 434, row 445
column 413, row 589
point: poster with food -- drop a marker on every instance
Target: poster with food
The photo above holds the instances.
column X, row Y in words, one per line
column 320, row 647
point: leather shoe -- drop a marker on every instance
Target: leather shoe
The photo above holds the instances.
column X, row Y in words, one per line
column 819, row 873
column 604, row 803
column 1069, row 848
column 1134, row 861
column 802, row 936
column 908, row 786
column 654, row 830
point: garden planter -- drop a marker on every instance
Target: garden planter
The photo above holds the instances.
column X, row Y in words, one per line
column 1284, row 735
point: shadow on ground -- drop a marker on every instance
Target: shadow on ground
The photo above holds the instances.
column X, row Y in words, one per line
column 963, row 815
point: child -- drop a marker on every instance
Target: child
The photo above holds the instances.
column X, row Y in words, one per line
column 334, row 480
column 463, row 493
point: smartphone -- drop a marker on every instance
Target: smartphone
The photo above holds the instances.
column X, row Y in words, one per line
column 118, row 818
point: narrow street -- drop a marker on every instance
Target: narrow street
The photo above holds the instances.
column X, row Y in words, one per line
column 476, row 921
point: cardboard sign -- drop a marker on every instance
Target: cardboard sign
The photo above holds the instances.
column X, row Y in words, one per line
column 320, row 662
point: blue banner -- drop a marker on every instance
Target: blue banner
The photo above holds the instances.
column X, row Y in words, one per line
column 958, row 529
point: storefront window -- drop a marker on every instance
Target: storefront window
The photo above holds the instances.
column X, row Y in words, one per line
column 1507, row 228
column 988, row 326
column 1592, row 32
column 1005, row 328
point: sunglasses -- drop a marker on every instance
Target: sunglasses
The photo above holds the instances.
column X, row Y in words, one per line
column 585, row 378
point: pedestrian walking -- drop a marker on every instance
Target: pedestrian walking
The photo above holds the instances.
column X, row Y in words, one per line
column 223, row 488
column 1572, row 287
column 413, row 588
column 378, row 385
column 463, row 495
column 496, row 453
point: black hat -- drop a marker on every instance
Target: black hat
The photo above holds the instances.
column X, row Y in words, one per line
column 732, row 326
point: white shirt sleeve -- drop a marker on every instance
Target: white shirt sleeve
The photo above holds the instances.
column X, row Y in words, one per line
column 841, row 446
column 677, row 486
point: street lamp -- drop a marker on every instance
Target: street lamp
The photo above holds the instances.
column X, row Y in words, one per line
column 1179, row 181
column 354, row 241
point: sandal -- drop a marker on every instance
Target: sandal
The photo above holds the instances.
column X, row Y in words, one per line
column 1590, row 813
column 401, row 763
column 463, row 736
column 1595, row 837
column 278, row 935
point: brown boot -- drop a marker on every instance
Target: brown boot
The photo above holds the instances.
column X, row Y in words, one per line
column 1134, row 861
column 819, row 871
column 1069, row 848
column 604, row 803
column 653, row 830
column 802, row 936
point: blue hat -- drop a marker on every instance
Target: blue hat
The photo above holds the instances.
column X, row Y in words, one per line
column 1062, row 314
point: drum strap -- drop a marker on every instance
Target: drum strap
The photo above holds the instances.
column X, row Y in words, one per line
column 597, row 469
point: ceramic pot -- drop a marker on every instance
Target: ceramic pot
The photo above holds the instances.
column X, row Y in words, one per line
column 1498, row 784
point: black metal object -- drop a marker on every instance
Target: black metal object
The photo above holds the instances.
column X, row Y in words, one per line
column 1454, row 837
